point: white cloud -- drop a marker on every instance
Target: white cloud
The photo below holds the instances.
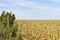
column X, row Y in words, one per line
column 33, row 5
column 46, row 11
column 24, row 3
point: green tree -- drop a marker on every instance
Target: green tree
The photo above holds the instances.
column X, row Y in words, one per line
column 6, row 25
column 4, row 18
column 4, row 22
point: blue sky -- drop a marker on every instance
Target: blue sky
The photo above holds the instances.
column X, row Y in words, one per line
column 32, row 9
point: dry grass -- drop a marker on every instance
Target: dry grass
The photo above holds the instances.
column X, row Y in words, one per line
column 39, row 29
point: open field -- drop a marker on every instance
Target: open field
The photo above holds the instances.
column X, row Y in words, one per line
column 39, row 29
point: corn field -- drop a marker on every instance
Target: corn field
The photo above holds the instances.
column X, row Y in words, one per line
column 39, row 29
column 33, row 30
